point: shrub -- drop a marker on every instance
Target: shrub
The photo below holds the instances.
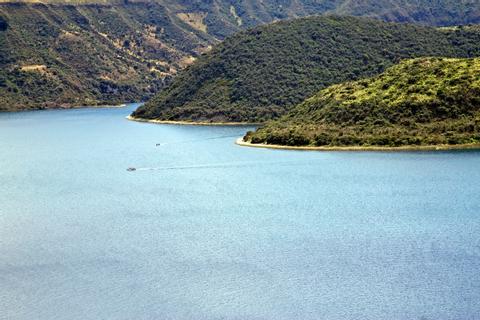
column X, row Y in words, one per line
column 322, row 139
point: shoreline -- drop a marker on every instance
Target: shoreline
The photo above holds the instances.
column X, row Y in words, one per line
column 242, row 143
column 192, row 123
column 72, row 107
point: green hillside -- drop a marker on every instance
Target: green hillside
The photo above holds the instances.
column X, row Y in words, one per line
column 259, row 74
column 93, row 54
column 75, row 52
column 425, row 101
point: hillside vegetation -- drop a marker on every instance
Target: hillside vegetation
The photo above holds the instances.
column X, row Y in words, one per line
column 75, row 52
column 425, row 101
column 429, row 12
column 259, row 74
column 223, row 17
column 94, row 54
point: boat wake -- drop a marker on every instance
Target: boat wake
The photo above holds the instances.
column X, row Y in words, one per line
column 241, row 164
column 194, row 140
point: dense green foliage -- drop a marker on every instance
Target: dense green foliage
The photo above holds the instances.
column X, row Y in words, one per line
column 259, row 74
column 62, row 55
column 424, row 101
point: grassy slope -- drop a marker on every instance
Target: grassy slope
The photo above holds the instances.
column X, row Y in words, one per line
column 425, row 101
column 259, row 74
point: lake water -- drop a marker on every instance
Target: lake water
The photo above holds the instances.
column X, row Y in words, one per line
column 206, row 229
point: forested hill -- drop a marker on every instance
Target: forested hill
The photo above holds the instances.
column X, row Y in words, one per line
column 259, row 74
column 425, row 101
column 75, row 52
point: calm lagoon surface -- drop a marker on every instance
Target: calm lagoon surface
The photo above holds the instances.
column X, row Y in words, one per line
column 206, row 229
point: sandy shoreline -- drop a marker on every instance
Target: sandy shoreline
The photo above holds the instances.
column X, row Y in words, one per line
column 240, row 142
column 192, row 123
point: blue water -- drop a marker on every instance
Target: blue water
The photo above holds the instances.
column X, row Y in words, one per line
column 205, row 229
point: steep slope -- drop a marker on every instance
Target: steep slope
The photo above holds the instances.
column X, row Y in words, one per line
column 222, row 17
column 424, row 101
column 259, row 74
column 92, row 54
column 435, row 13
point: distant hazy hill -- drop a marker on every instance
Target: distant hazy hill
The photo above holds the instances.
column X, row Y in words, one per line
column 259, row 74
column 430, row 12
column 425, row 101
column 224, row 16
